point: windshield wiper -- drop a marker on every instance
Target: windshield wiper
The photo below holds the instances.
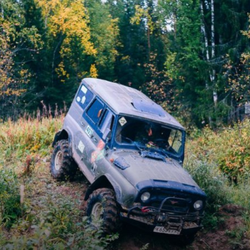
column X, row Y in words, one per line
column 151, row 152
column 153, row 155
column 160, row 151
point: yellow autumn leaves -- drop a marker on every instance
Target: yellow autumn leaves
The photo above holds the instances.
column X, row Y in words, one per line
column 70, row 20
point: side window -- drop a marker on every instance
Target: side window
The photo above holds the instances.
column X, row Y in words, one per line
column 84, row 96
column 175, row 140
column 94, row 112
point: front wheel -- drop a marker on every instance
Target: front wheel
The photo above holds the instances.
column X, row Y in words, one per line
column 62, row 165
column 102, row 210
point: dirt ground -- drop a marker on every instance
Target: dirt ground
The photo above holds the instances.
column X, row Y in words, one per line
column 230, row 235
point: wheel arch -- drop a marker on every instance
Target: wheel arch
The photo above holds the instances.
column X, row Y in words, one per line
column 61, row 135
column 105, row 181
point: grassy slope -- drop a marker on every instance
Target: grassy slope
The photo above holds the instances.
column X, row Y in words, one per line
column 50, row 215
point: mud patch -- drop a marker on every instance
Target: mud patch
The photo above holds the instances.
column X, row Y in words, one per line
column 230, row 235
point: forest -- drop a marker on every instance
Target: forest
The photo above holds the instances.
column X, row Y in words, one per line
column 191, row 57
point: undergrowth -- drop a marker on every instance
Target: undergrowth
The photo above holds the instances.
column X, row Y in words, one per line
column 27, row 138
column 10, row 207
column 219, row 162
column 35, row 211
column 43, row 215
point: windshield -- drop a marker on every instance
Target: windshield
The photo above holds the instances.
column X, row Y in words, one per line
column 145, row 134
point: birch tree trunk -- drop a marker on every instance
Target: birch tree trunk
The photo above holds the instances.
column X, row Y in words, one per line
column 210, row 53
column 212, row 74
column 203, row 30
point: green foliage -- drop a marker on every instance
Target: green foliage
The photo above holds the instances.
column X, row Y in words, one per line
column 213, row 184
column 10, row 207
column 230, row 149
column 49, row 217
column 209, row 179
column 104, row 35
column 203, row 60
column 56, row 235
column 214, row 159
column 15, row 40
column 59, row 225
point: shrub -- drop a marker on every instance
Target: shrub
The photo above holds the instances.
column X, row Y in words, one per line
column 213, row 183
column 58, row 225
column 216, row 188
column 211, row 160
column 82, row 238
column 229, row 148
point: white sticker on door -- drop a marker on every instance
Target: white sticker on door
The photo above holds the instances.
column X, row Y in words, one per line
column 81, row 146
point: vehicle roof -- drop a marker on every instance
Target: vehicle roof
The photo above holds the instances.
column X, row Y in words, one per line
column 125, row 100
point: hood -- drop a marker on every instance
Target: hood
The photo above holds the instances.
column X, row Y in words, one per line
column 136, row 168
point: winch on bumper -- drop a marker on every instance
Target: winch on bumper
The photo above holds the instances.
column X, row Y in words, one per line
column 172, row 217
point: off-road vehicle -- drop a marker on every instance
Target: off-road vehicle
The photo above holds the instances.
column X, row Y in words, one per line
column 131, row 151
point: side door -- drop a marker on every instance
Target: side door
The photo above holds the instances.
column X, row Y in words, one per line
column 98, row 157
column 91, row 140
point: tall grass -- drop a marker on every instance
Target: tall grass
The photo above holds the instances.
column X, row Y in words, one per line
column 27, row 137
column 39, row 215
column 10, row 207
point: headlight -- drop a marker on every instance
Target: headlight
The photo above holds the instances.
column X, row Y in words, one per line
column 198, row 205
column 145, row 196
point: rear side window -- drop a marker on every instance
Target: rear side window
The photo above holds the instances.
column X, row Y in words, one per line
column 175, row 140
column 84, row 96
column 95, row 111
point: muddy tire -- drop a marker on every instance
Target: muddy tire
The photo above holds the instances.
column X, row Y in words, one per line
column 102, row 210
column 62, row 165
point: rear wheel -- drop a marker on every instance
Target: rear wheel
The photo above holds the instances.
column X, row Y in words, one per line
column 102, row 210
column 62, row 165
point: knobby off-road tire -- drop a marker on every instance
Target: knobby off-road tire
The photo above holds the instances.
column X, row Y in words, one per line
column 62, row 165
column 102, row 210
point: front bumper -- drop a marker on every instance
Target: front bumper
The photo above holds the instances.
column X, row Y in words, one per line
column 165, row 221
